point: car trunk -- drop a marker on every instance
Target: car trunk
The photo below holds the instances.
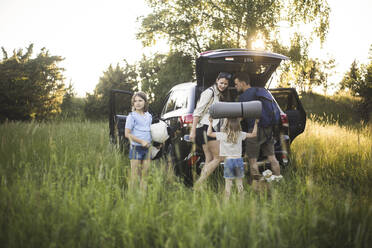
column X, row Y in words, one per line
column 259, row 65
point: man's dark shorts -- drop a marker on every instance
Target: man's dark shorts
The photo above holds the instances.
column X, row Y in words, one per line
column 201, row 135
column 264, row 140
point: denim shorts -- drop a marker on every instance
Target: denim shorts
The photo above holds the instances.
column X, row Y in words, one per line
column 138, row 152
column 233, row 168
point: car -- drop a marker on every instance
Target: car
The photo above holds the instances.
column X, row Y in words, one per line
column 187, row 158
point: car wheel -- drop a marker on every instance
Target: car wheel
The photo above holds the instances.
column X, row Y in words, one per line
column 170, row 157
column 180, row 168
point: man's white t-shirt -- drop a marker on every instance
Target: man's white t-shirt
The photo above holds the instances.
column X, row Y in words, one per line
column 230, row 149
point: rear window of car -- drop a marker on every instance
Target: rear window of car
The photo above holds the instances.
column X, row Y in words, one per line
column 178, row 99
column 286, row 101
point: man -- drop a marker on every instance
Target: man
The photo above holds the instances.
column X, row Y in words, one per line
column 264, row 139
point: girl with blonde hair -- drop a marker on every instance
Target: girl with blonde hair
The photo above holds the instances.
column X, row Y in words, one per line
column 231, row 139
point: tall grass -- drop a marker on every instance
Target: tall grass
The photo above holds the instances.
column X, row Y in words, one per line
column 341, row 109
column 64, row 185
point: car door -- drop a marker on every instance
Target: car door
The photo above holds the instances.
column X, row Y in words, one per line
column 177, row 113
column 176, row 108
column 290, row 103
column 119, row 108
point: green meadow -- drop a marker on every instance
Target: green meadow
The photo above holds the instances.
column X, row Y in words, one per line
column 63, row 185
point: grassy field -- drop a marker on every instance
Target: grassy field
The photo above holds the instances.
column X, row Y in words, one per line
column 339, row 109
column 63, row 185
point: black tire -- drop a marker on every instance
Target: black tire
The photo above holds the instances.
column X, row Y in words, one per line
column 170, row 157
column 180, row 168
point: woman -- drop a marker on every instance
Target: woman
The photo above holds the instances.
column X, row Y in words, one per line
column 217, row 92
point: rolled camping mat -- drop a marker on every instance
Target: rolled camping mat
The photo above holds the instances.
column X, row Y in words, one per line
column 252, row 110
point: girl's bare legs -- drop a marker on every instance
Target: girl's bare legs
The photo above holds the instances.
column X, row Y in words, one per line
column 228, row 184
column 145, row 168
column 134, row 174
column 239, row 185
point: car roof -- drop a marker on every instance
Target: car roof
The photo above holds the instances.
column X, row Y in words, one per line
column 184, row 85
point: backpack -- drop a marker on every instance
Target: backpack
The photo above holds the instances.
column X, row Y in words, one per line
column 270, row 116
column 209, row 102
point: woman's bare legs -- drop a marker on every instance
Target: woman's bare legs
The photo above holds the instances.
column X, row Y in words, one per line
column 214, row 149
column 207, row 170
column 207, row 153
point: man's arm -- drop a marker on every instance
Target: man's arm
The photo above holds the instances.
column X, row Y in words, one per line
column 254, row 132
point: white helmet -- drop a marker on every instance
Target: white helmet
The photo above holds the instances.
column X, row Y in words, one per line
column 159, row 132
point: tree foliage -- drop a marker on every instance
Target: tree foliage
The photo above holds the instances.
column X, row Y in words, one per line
column 308, row 73
column 198, row 25
column 358, row 81
column 122, row 78
column 161, row 72
column 366, row 93
column 352, row 79
column 193, row 26
column 72, row 107
column 30, row 88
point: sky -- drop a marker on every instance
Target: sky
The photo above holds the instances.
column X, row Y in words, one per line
column 93, row 34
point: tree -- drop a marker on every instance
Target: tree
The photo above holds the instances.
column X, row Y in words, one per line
column 72, row 106
column 198, row 25
column 294, row 73
column 30, row 88
column 366, row 93
column 193, row 26
column 122, row 78
column 352, row 79
column 326, row 70
column 67, row 98
column 358, row 80
column 161, row 72
column 315, row 72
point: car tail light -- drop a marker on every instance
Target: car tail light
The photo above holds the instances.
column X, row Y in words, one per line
column 186, row 120
column 284, row 119
column 193, row 160
column 284, row 158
